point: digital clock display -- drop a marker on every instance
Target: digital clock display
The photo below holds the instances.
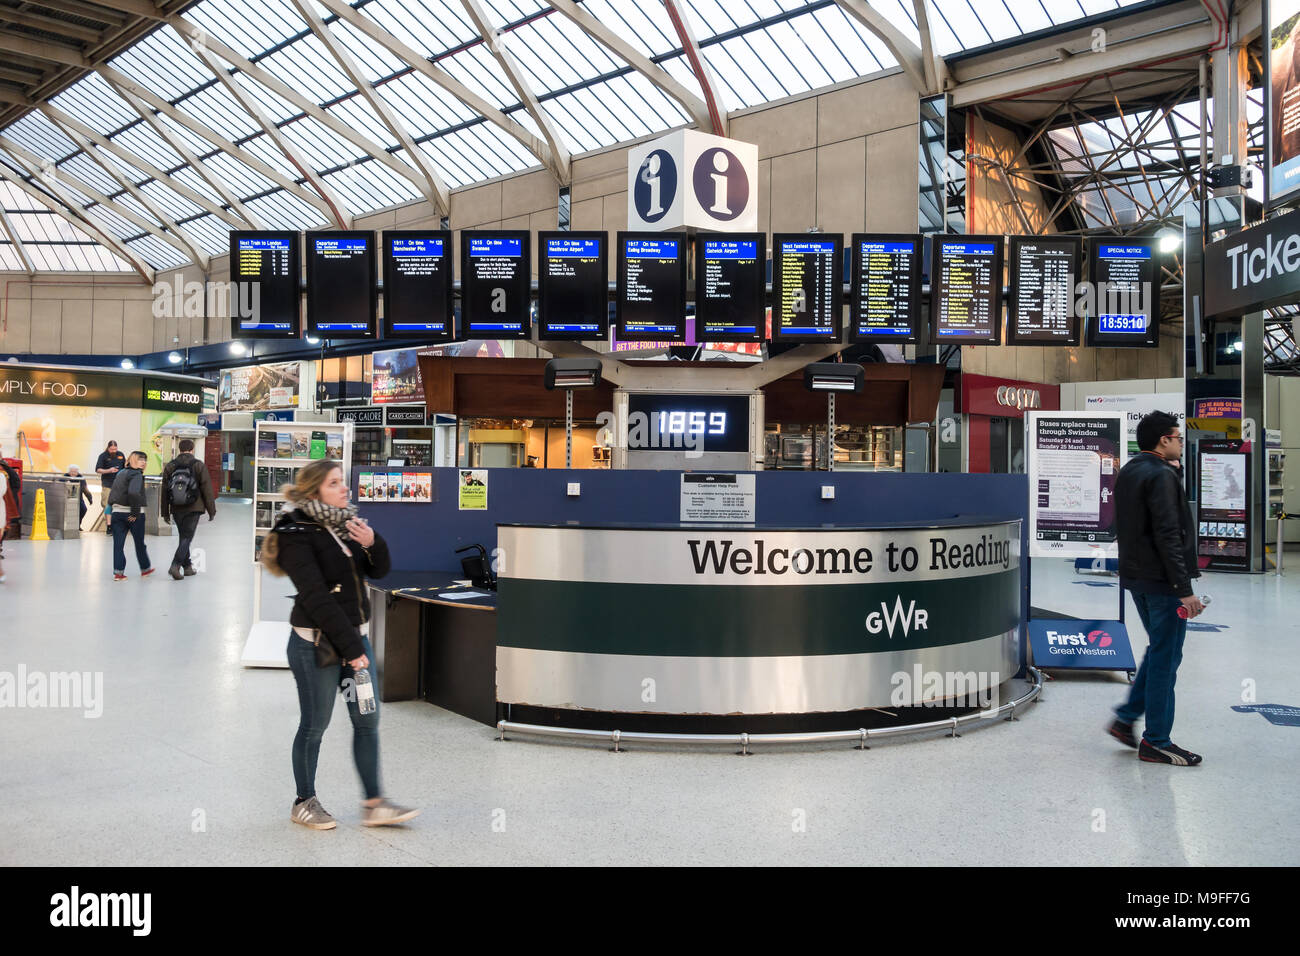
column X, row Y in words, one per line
column 702, row 423
column 1124, row 293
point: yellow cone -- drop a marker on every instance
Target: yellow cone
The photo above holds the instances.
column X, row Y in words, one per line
column 40, row 530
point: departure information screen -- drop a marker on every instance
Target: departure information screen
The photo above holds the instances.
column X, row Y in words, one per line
column 652, row 286
column 341, row 294
column 495, row 284
column 264, row 291
column 572, row 285
column 1041, row 301
column 807, row 287
column 885, row 288
column 418, row 284
column 966, row 290
column 730, row 287
column 1123, row 274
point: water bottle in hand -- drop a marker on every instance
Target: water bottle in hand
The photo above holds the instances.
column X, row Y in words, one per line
column 1182, row 608
column 365, row 691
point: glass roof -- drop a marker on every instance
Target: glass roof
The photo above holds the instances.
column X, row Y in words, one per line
column 758, row 51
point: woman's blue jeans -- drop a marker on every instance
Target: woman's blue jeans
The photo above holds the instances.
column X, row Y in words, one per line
column 316, row 689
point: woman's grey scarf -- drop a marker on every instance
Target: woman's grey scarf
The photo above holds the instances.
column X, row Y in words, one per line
column 331, row 517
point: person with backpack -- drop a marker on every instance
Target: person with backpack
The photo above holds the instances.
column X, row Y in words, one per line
column 186, row 494
column 127, row 495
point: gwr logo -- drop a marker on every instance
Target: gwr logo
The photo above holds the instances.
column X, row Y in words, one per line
column 885, row 619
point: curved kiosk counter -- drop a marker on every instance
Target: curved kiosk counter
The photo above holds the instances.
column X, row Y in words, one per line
column 674, row 623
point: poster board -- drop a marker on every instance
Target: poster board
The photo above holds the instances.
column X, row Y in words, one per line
column 1073, row 463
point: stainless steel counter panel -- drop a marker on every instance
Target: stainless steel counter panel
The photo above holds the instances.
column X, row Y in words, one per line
column 639, row 620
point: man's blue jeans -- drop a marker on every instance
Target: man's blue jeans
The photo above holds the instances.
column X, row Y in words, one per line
column 317, row 687
column 1153, row 689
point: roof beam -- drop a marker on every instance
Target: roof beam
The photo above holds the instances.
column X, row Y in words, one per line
column 932, row 64
column 70, row 125
column 46, row 50
column 136, row 8
column 200, row 39
column 77, row 8
column 183, row 151
column 34, row 163
column 496, row 41
column 81, row 219
column 20, row 76
column 428, row 181
column 700, row 67
column 442, row 78
column 337, row 209
column 121, row 81
column 7, row 226
column 693, row 105
column 907, row 53
column 197, row 255
column 38, row 21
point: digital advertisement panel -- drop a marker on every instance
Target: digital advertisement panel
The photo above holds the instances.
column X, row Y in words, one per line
column 259, row 387
column 1282, row 65
column 1223, row 500
column 1074, row 462
column 397, row 377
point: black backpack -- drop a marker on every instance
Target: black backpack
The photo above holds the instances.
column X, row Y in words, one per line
column 183, row 487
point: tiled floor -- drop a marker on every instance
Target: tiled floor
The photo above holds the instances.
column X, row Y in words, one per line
column 189, row 762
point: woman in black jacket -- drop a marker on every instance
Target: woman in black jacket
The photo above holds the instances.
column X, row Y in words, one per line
column 326, row 550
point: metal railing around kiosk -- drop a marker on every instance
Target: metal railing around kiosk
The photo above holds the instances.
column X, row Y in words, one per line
column 861, row 736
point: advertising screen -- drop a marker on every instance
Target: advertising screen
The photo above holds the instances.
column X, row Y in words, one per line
column 807, row 287
column 495, row 284
column 730, row 287
column 572, row 285
column 418, row 284
column 1282, row 99
column 652, row 286
column 341, row 293
column 885, row 289
column 1041, row 304
column 1123, row 294
column 966, row 290
column 264, row 276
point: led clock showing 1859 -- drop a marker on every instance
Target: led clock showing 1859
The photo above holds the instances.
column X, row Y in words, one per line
column 807, row 287
column 652, row 286
column 264, row 276
column 495, row 284
column 885, row 288
column 341, row 294
column 966, row 290
column 702, row 423
column 418, row 284
column 1123, row 294
column 730, row 280
column 572, row 285
column 1041, row 303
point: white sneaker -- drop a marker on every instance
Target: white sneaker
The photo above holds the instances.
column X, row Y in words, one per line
column 386, row 814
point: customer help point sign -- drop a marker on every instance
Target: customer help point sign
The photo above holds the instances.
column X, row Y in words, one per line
column 692, row 179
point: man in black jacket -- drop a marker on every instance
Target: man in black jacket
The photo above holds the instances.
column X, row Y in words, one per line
column 1157, row 561
column 197, row 487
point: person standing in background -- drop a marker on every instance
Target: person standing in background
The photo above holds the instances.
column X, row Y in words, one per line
column 84, row 495
column 1157, row 561
column 128, row 494
column 186, row 493
column 4, row 512
column 110, row 462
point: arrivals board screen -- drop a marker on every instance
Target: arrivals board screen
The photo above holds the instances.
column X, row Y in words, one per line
column 264, row 276
column 885, row 288
column 966, row 290
column 418, row 284
column 1041, row 301
column 652, row 286
column 1123, row 274
column 730, row 287
column 495, row 284
column 807, row 287
column 341, row 292
column 572, row 285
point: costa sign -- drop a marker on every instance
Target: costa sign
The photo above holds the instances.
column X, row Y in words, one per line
column 1021, row 398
